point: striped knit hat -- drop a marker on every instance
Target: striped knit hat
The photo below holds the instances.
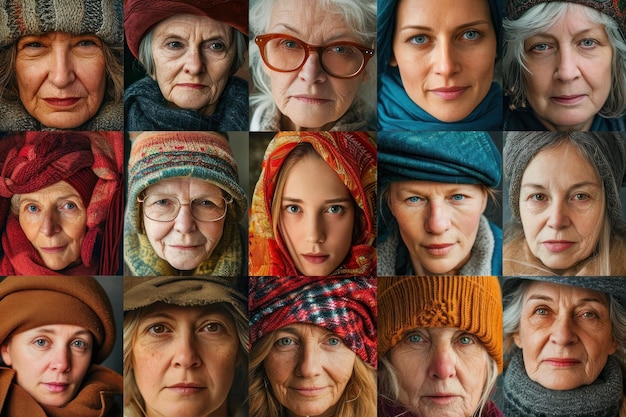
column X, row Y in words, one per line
column 472, row 304
column 156, row 156
column 102, row 18
column 345, row 306
column 613, row 8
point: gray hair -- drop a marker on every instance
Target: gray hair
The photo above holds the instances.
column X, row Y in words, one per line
column 360, row 16
column 389, row 387
column 147, row 60
column 539, row 18
column 512, row 314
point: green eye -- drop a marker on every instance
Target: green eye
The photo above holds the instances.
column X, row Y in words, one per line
column 415, row 338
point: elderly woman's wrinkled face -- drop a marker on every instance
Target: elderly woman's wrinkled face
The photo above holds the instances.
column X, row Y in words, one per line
column 442, row 371
column 317, row 216
column 569, row 71
column 309, row 98
column 438, row 222
column 445, row 52
column 184, row 242
column 184, row 360
column 308, row 368
column 50, row 361
column 562, row 206
column 565, row 334
column 53, row 220
column 61, row 77
column 193, row 56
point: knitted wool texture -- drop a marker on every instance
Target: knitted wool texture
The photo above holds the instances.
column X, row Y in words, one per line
column 352, row 155
column 28, row 302
column 141, row 15
column 344, row 306
column 141, row 292
column 39, row 159
column 156, row 156
column 608, row 151
column 614, row 8
column 472, row 304
column 102, row 18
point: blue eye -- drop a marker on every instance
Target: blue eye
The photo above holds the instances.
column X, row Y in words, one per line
column 540, row 47
column 333, row 341
column 419, row 39
column 414, row 199
column 40, row 342
column 458, row 197
column 588, row 43
column 335, row 209
column 466, row 340
column 471, row 35
column 285, row 341
column 292, row 209
column 415, row 338
column 31, row 208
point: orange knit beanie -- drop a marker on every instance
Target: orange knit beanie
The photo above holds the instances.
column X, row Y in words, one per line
column 472, row 304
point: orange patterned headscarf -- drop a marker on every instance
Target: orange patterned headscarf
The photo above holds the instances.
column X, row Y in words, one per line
column 352, row 155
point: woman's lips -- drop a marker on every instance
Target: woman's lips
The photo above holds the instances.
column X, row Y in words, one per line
column 557, row 245
column 186, row 389
column 441, row 399
column 561, row 362
column 570, row 100
column 56, row 386
column 309, row 392
column 311, row 99
column 440, row 249
column 192, row 85
column 52, row 249
column 315, row 258
column 62, row 102
column 449, row 93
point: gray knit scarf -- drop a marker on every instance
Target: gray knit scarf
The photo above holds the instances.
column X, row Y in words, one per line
column 526, row 398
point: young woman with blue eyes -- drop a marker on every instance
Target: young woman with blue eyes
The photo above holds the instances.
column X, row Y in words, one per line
column 437, row 355
column 52, row 347
column 565, row 66
column 313, row 346
column 186, row 347
column 436, row 65
column 434, row 189
column 313, row 207
column 565, row 203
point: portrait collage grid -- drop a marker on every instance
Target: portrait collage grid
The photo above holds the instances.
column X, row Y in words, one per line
column 298, row 208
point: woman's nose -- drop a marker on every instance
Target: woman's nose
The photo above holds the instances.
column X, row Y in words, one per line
column 442, row 363
column 445, row 59
column 61, row 68
column 312, row 71
column 558, row 215
column 184, row 221
column 562, row 331
column 315, row 230
column 185, row 351
column 60, row 360
column 310, row 362
column 50, row 223
column 438, row 218
column 567, row 66
column 194, row 62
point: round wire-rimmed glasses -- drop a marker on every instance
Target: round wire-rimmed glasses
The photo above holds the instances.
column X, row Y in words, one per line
column 165, row 208
column 285, row 53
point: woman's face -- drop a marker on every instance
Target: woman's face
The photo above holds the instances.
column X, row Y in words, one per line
column 438, row 222
column 193, row 56
column 441, row 371
column 308, row 368
column 183, row 242
column 565, row 334
column 309, row 98
column 61, row 77
column 562, row 206
column 50, row 361
column 53, row 220
column 184, row 360
column 317, row 217
column 445, row 52
column 569, row 71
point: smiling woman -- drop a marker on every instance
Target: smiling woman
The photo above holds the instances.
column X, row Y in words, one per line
column 63, row 217
column 62, row 68
column 190, row 50
column 313, row 206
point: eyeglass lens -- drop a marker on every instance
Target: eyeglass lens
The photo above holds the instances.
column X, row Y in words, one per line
column 287, row 54
column 166, row 208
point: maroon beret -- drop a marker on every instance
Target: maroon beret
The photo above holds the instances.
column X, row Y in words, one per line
column 141, row 15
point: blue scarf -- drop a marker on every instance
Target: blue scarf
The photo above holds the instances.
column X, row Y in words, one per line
column 396, row 110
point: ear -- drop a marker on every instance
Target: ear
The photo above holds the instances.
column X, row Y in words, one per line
column 6, row 356
column 392, row 60
column 613, row 347
column 517, row 340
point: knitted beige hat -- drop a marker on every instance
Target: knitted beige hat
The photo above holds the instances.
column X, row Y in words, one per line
column 472, row 304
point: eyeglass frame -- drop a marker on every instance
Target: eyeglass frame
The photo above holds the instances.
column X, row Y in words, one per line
column 262, row 40
column 228, row 201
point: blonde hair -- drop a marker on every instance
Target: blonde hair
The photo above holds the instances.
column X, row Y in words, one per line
column 357, row 400
column 134, row 404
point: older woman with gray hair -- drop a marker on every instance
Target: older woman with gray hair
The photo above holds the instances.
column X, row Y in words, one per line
column 190, row 50
column 565, row 202
column 312, row 65
column 439, row 346
column 565, row 65
column 565, row 339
